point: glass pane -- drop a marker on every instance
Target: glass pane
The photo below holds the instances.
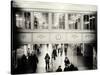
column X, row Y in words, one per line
column 86, row 17
column 86, row 22
column 23, row 20
column 91, row 24
column 27, row 20
column 92, row 21
column 74, row 21
column 20, row 20
column 86, row 26
column 89, row 21
column 40, row 20
column 58, row 21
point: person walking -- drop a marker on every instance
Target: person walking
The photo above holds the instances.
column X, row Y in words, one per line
column 54, row 54
column 47, row 59
column 61, row 50
column 65, row 49
column 33, row 60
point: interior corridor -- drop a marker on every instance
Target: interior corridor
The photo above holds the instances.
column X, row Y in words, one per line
column 74, row 59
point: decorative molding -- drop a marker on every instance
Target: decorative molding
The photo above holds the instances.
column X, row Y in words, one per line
column 37, row 6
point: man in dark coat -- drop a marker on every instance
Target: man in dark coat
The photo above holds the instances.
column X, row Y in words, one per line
column 66, row 61
column 65, row 49
column 47, row 58
column 54, row 54
column 23, row 64
column 59, row 69
column 61, row 50
column 66, row 68
column 72, row 67
column 33, row 60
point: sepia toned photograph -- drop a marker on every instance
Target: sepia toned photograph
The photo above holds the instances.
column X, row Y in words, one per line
column 52, row 37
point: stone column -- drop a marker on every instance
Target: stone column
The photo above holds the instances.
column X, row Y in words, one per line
column 23, row 20
column 82, row 22
column 49, row 21
column 83, row 49
column 32, row 20
column 66, row 21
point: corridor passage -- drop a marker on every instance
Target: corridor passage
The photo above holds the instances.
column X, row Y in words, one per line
column 77, row 61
